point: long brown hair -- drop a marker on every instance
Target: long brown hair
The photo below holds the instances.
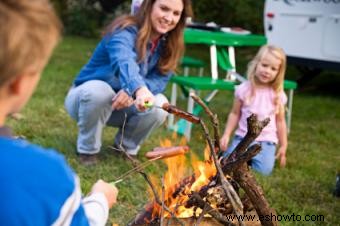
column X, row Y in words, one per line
column 174, row 44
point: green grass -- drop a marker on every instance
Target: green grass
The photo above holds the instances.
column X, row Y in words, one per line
column 303, row 187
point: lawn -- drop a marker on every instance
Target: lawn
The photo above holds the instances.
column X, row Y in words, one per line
column 303, row 188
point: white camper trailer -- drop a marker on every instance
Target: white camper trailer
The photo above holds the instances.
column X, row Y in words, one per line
column 308, row 31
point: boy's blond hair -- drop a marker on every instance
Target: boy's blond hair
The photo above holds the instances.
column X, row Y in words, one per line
column 29, row 30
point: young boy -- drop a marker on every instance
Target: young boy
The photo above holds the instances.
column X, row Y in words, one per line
column 37, row 185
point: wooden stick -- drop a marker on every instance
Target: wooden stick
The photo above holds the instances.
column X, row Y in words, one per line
column 163, row 194
column 245, row 178
column 196, row 200
column 213, row 118
column 137, row 168
column 200, row 217
column 229, row 165
column 157, row 199
column 254, row 129
column 227, row 187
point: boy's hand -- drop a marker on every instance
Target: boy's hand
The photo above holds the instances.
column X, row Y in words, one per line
column 224, row 142
column 110, row 191
column 281, row 155
column 143, row 96
column 121, row 100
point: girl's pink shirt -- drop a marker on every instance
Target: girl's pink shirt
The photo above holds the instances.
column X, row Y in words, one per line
column 262, row 104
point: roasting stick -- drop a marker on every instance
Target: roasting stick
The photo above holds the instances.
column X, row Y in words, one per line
column 176, row 111
column 155, row 154
column 135, row 169
column 116, row 182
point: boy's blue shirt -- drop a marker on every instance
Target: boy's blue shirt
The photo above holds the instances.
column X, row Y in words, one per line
column 115, row 61
column 35, row 184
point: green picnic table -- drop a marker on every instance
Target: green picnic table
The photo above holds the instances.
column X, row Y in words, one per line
column 219, row 38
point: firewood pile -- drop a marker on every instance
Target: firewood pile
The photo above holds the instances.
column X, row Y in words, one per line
column 231, row 191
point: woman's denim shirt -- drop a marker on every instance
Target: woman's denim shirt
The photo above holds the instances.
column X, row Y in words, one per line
column 115, row 61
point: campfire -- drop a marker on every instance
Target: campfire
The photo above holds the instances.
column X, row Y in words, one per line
column 177, row 187
column 213, row 191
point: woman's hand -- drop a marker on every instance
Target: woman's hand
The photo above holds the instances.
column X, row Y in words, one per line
column 143, row 96
column 121, row 100
column 281, row 155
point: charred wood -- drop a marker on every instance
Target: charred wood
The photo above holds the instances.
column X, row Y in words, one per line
column 196, row 200
column 255, row 193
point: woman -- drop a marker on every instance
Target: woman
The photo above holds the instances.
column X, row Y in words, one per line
column 130, row 67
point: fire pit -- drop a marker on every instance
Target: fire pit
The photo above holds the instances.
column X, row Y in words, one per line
column 217, row 193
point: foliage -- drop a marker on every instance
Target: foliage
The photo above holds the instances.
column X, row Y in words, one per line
column 86, row 17
column 60, row 6
column 303, row 187
column 82, row 20
column 231, row 13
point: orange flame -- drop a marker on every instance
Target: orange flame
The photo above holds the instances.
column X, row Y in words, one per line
column 178, row 172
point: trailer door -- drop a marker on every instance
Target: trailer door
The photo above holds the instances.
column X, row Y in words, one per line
column 331, row 37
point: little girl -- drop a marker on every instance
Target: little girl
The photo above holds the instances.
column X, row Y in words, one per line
column 263, row 95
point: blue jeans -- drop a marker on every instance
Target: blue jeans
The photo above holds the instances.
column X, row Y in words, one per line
column 264, row 161
column 89, row 104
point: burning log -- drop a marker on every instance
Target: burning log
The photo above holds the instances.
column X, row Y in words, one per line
column 207, row 221
column 196, row 200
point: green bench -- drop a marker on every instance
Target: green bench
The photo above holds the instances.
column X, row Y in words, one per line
column 188, row 63
column 192, row 62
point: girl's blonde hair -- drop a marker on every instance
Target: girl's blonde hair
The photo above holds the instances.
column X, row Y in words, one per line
column 277, row 83
column 29, row 31
column 174, row 44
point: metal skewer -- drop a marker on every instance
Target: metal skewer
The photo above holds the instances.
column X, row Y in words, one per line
column 135, row 169
column 116, row 182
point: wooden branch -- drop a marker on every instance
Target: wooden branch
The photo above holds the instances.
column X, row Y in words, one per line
column 247, row 204
column 146, row 177
column 213, row 119
column 254, row 129
column 247, row 181
column 242, row 174
column 229, row 190
column 158, row 201
column 196, row 200
column 136, row 164
column 229, row 165
column 163, row 194
column 186, row 181
column 200, row 217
